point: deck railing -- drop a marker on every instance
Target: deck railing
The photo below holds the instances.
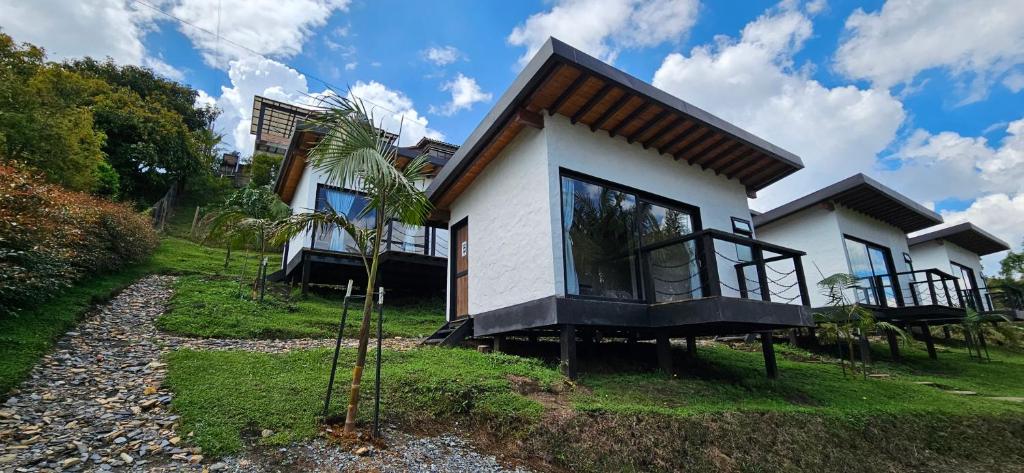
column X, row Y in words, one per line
column 397, row 237
column 994, row 299
column 925, row 287
column 711, row 263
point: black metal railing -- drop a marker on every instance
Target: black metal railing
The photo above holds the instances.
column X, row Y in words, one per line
column 994, row 299
column 398, row 237
column 925, row 287
column 711, row 263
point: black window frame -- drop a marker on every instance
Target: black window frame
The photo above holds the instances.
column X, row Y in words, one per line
column 889, row 262
column 749, row 232
column 642, row 197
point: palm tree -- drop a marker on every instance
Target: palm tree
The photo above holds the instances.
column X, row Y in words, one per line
column 250, row 215
column 974, row 325
column 355, row 152
column 842, row 319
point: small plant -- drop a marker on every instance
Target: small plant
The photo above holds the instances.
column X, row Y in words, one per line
column 845, row 321
column 973, row 327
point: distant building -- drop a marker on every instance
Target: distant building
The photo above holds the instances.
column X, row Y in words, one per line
column 232, row 167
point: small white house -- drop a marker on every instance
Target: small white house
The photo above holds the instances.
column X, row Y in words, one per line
column 859, row 226
column 589, row 202
column 413, row 257
column 958, row 250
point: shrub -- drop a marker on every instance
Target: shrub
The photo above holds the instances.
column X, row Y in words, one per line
column 50, row 237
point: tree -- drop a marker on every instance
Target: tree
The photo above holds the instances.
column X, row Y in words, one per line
column 1012, row 266
column 843, row 320
column 355, row 152
column 46, row 120
column 265, row 168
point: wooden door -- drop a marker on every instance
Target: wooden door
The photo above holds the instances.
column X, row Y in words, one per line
column 460, row 283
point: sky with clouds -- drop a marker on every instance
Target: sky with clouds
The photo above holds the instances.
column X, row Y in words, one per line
column 925, row 95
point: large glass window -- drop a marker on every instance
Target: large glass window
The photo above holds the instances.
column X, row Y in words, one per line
column 603, row 228
column 345, row 202
column 599, row 226
column 870, row 265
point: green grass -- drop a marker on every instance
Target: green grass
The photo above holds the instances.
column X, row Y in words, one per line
column 224, row 396
column 30, row 334
column 211, row 307
column 635, row 419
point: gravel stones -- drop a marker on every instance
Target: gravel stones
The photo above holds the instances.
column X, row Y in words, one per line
column 96, row 403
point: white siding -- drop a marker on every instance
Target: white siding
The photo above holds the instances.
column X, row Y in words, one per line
column 576, row 148
column 931, row 255
column 816, row 232
column 510, row 253
column 514, row 206
column 875, row 231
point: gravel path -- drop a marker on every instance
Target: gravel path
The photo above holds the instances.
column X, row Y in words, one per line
column 96, row 403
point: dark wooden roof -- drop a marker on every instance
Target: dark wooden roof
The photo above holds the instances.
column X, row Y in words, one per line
column 965, row 235
column 864, row 195
column 273, row 123
column 561, row 79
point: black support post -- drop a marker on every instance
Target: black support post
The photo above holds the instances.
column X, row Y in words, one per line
column 664, row 354
column 499, row 343
column 768, row 348
column 691, row 346
column 568, row 359
column 712, row 284
column 894, row 344
column 305, row 274
column 805, row 297
column 928, row 342
column 865, row 349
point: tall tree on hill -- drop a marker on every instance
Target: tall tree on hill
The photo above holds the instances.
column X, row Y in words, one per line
column 355, row 153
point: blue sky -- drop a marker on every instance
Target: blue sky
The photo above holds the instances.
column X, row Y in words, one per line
column 925, row 95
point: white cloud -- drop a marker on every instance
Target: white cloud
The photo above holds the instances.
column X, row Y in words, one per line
column 977, row 40
column 465, row 92
column 351, row 66
column 276, row 28
column 442, row 56
column 99, row 29
column 752, row 82
column 256, row 76
column 999, row 214
column 604, row 27
column 1014, row 81
column 395, row 111
column 967, row 167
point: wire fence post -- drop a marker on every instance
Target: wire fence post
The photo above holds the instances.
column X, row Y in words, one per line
column 376, row 387
column 263, row 277
column 337, row 349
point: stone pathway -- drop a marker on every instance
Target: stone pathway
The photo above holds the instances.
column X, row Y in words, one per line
column 96, row 403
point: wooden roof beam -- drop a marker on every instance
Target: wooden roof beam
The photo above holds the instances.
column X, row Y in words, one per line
column 741, row 167
column 725, row 156
column 694, row 130
column 611, row 111
column 628, row 118
column 698, row 145
column 594, row 100
column 664, row 131
column 647, row 126
column 568, row 92
column 724, row 148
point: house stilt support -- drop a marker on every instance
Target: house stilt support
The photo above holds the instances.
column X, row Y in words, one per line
column 691, row 346
column 305, row 274
column 499, row 344
column 768, row 348
column 664, row 354
column 894, row 345
column 568, row 359
column 928, row 342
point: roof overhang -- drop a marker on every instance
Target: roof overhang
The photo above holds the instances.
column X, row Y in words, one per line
column 967, row 236
column 865, row 195
column 561, row 79
column 273, row 122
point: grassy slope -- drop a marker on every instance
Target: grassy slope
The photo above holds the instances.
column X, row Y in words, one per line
column 638, row 420
column 210, row 307
column 29, row 335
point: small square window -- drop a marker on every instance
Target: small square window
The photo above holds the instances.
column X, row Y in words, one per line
column 742, row 227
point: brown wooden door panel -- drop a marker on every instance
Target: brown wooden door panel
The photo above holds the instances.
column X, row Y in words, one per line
column 461, row 275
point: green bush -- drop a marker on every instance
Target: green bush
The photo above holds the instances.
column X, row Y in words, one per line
column 51, row 237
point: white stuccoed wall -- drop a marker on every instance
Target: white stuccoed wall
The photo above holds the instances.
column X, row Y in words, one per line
column 510, row 253
column 875, row 231
column 816, row 232
column 576, row 148
column 514, row 206
column 940, row 254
